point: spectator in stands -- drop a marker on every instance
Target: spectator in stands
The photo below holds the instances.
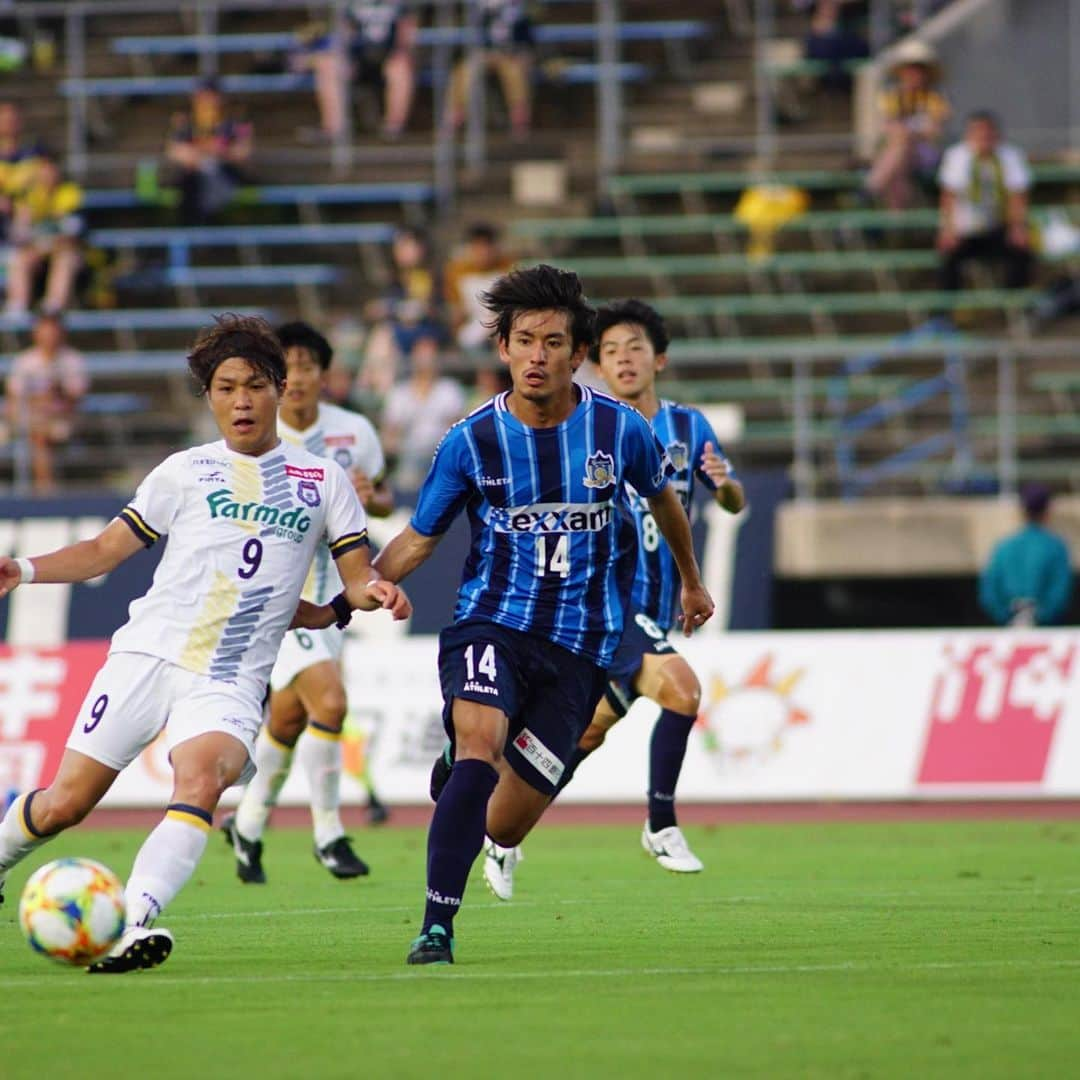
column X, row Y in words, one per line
column 44, row 388
column 407, row 310
column 468, row 275
column 506, row 46
column 488, row 381
column 913, row 118
column 1028, row 581
column 45, row 227
column 209, row 146
column 17, row 162
column 984, row 204
column 417, row 414
column 835, row 38
column 377, row 45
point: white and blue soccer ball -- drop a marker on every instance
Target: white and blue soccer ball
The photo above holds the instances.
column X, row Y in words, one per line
column 72, row 910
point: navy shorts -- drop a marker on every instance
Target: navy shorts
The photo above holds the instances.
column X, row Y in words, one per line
column 641, row 637
column 548, row 693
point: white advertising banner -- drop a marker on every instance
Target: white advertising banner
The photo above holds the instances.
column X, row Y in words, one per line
column 884, row 715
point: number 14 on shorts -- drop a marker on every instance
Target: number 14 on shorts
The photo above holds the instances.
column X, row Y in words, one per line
column 486, row 665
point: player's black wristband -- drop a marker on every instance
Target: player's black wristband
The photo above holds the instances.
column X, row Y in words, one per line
column 342, row 609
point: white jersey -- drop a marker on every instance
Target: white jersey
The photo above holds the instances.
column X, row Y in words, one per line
column 242, row 534
column 349, row 439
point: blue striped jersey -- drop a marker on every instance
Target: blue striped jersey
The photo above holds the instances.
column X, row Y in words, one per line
column 548, row 517
column 683, row 432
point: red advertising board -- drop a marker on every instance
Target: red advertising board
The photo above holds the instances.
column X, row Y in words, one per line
column 40, row 693
column 995, row 706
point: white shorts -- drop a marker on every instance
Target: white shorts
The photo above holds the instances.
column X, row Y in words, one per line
column 301, row 649
column 134, row 696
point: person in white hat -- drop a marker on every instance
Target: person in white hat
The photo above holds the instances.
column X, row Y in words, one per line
column 914, row 114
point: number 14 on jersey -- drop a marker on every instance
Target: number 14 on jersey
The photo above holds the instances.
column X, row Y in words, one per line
column 553, row 558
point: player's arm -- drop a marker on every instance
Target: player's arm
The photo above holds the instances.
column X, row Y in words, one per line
column 405, row 553
column 365, row 590
column 674, row 525
column 376, row 498
column 729, row 491
column 76, row 562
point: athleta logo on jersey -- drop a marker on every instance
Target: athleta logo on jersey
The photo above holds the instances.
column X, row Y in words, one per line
column 291, row 524
column 552, row 518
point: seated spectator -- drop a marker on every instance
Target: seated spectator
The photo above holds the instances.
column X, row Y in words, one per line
column 913, row 116
column 466, row 277
column 984, row 204
column 208, row 146
column 407, row 310
column 488, row 382
column 506, row 37
column 835, row 37
column 376, row 46
column 45, row 227
column 1028, row 581
column 417, row 414
column 17, row 162
column 43, row 392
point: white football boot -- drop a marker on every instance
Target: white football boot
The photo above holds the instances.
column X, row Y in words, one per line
column 499, row 863
column 670, row 849
column 139, row 948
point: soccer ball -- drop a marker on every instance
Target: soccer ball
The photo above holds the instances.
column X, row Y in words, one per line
column 72, row 910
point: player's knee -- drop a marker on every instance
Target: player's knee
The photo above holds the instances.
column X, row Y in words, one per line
column 679, row 689
column 286, row 730
column 329, row 708
column 203, row 783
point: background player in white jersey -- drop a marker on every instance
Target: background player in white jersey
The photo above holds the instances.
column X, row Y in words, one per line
column 631, row 350
column 244, row 517
column 307, row 690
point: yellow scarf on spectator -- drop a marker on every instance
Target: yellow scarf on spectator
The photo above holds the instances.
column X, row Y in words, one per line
column 978, row 196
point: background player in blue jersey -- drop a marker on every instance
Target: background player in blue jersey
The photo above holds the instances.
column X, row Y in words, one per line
column 540, row 472
column 631, row 349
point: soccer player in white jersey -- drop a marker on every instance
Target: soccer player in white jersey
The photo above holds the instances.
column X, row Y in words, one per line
column 244, row 516
column 307, row 690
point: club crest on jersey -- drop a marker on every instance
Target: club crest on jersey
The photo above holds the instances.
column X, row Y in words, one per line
column 599, row 470
column 679, row 453
column 307, row 491
column 343, row 457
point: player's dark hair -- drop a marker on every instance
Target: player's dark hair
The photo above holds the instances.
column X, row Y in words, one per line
column 984, row 116
column 245, row 336
column 302, row 335
column 637, row 313
column 540, row 288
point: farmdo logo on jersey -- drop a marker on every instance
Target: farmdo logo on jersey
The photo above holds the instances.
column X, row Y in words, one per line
column 290, row 524
column 994, row 708
column 747, row 723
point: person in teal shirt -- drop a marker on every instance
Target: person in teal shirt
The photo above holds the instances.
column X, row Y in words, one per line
column 1028, row 581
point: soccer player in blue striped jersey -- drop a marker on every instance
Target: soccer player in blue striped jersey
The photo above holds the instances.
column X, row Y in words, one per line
column 631, row 349
column 540, row 471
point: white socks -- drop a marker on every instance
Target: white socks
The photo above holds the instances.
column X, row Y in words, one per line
column 166, row 860
column 272, row 760
column 16, row 839
column 319, row 755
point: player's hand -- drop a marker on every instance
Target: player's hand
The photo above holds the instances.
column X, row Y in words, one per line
column 380, row 594
column 364, row 488
column 309, row 616
column 10, row 575
column 715, row 466
column 697, row 608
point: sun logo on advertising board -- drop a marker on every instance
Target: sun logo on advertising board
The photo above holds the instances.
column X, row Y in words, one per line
column 747, row 723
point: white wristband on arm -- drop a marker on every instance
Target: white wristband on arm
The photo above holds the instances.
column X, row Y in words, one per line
column 26, row 571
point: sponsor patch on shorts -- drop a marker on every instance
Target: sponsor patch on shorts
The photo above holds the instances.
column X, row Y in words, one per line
column 539, row 756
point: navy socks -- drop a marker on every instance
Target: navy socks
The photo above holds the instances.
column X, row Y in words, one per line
column 666, row 753
column 455, row 838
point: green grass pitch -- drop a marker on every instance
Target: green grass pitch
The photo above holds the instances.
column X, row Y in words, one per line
column 806, row 950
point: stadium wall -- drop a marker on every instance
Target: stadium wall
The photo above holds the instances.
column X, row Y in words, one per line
column 889, row 715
